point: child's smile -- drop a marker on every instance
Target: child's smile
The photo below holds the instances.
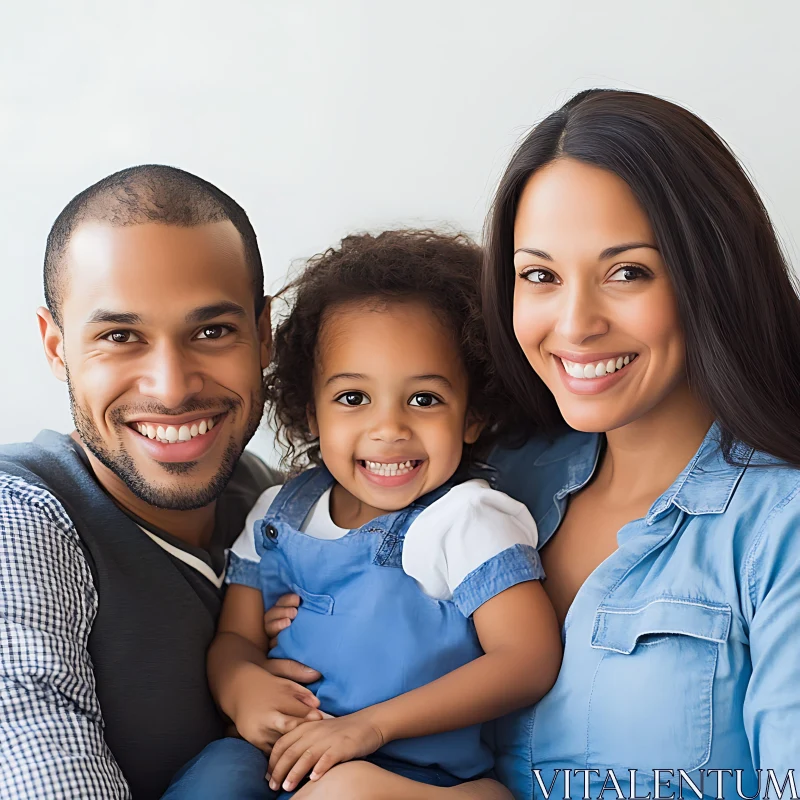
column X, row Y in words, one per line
column 390, row 406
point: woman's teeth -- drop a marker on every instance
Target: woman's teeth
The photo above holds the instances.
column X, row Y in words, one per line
column 598, row 368
column 172, row 434
column 378, row 468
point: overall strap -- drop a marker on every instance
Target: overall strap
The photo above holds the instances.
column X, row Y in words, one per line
column 395, row 526
column 298, row 496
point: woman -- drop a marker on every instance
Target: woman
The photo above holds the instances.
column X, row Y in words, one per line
column 635, row 290
column 632, row 266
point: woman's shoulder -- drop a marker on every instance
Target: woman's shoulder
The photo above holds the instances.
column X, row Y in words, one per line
column 534, row 471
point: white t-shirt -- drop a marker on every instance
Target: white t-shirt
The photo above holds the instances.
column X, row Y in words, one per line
column 447, row 541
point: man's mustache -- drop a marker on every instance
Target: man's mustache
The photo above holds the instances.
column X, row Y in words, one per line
column 122, row 413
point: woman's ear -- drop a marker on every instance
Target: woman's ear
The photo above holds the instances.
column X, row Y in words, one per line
column 311, row 416
column 473, row 427
column 53, row 342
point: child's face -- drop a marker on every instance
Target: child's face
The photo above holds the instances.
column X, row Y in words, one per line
column 390, row 397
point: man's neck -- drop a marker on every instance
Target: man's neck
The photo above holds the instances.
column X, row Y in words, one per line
column 194, row 527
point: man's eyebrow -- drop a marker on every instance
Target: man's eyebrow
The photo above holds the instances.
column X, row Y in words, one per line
column 532, row 251
column 209, row 312
column 114, row 317
column 610, row 252
column 349, row 376
column 434, row 379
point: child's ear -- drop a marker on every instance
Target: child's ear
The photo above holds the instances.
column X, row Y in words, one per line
column 473, row 427
column 311, row 417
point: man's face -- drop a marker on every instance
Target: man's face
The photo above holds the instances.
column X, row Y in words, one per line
column 163, row 355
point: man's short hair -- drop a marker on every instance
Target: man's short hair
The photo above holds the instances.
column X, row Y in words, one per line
column 138, row 195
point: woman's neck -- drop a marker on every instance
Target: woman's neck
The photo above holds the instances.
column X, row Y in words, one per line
column 643, row 459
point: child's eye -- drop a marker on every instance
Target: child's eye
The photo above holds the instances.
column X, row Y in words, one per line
column 424, row 400
column 353, row 399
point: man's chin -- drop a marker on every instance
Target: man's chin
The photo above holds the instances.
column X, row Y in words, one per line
column 174, row 486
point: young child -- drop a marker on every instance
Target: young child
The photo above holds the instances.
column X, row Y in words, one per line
column 421, row 604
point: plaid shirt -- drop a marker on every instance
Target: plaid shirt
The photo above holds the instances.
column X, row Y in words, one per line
column 51, row 728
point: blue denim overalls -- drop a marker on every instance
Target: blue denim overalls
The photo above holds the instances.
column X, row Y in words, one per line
column 363, row 622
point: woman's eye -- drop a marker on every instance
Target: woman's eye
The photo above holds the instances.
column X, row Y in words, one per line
column 538, row 276
column 424, row 400
column 353, row 399
column 122, row 337
column 213, row 332
column 628, row 274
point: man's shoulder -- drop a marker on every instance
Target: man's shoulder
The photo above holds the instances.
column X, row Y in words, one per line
column 33, row 460
column 251, row 478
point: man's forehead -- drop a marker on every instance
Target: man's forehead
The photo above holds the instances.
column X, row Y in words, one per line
column 146, row 268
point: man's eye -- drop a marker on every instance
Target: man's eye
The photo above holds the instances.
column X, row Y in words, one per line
column 122, row 337
column 214, row 332
column 353, row 399
column 538, row 276
column 424, row 400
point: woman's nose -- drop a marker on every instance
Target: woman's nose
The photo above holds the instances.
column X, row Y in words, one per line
column 581, row 315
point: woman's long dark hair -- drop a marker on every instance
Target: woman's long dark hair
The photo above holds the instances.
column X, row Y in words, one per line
column 736, row 297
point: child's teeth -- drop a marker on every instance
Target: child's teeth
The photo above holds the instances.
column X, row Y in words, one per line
column 379, row 468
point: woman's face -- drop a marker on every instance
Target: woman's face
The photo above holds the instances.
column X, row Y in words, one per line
column 594, row 308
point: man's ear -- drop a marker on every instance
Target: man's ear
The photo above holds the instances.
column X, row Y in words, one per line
column 265, row 333
column 311, row 416
column 53, row 342
column 473, row 427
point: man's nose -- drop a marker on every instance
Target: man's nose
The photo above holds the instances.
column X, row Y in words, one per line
column 390, row 425
column 581, row 315
column 170, row 377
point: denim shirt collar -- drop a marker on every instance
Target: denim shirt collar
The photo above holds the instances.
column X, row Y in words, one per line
column 705, row 486
column 708, row 482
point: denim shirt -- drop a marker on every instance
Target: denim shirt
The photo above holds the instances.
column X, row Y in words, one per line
column 682, row 648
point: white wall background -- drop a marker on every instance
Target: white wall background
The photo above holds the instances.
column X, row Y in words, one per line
column 325, row 116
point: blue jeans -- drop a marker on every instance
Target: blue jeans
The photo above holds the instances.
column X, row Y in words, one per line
column 232, row 769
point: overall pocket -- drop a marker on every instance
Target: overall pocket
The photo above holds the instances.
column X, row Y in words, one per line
column 652, row 694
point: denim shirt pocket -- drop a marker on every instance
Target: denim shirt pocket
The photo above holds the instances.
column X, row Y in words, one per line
column 654, row 683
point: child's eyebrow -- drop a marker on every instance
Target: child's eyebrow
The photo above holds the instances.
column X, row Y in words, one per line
column 435, row 379
column 349, row 376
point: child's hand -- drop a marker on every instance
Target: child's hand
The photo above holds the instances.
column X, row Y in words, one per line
column 268, row 707
column 318, row 746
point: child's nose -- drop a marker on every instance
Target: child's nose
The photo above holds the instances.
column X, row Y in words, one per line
column 390, row 428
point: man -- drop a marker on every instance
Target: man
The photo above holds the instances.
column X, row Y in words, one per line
column 112, row 539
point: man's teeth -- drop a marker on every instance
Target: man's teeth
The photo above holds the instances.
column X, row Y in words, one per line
column 598, row 368
column 378, row 468
column 172, row 434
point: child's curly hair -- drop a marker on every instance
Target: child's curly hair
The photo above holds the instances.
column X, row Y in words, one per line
column 398, row 265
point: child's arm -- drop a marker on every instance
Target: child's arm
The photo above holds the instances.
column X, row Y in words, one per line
column 521, row 640
column 263, row 707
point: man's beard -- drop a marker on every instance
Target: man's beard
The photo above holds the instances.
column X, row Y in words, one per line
column 123, row 466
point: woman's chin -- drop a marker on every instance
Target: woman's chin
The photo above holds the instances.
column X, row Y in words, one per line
column 593, row 420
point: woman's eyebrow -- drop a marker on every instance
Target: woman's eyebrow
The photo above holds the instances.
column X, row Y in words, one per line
column 532, row 251
column 610, row 252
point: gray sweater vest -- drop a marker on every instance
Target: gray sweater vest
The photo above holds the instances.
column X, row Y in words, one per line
column 156, row 616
